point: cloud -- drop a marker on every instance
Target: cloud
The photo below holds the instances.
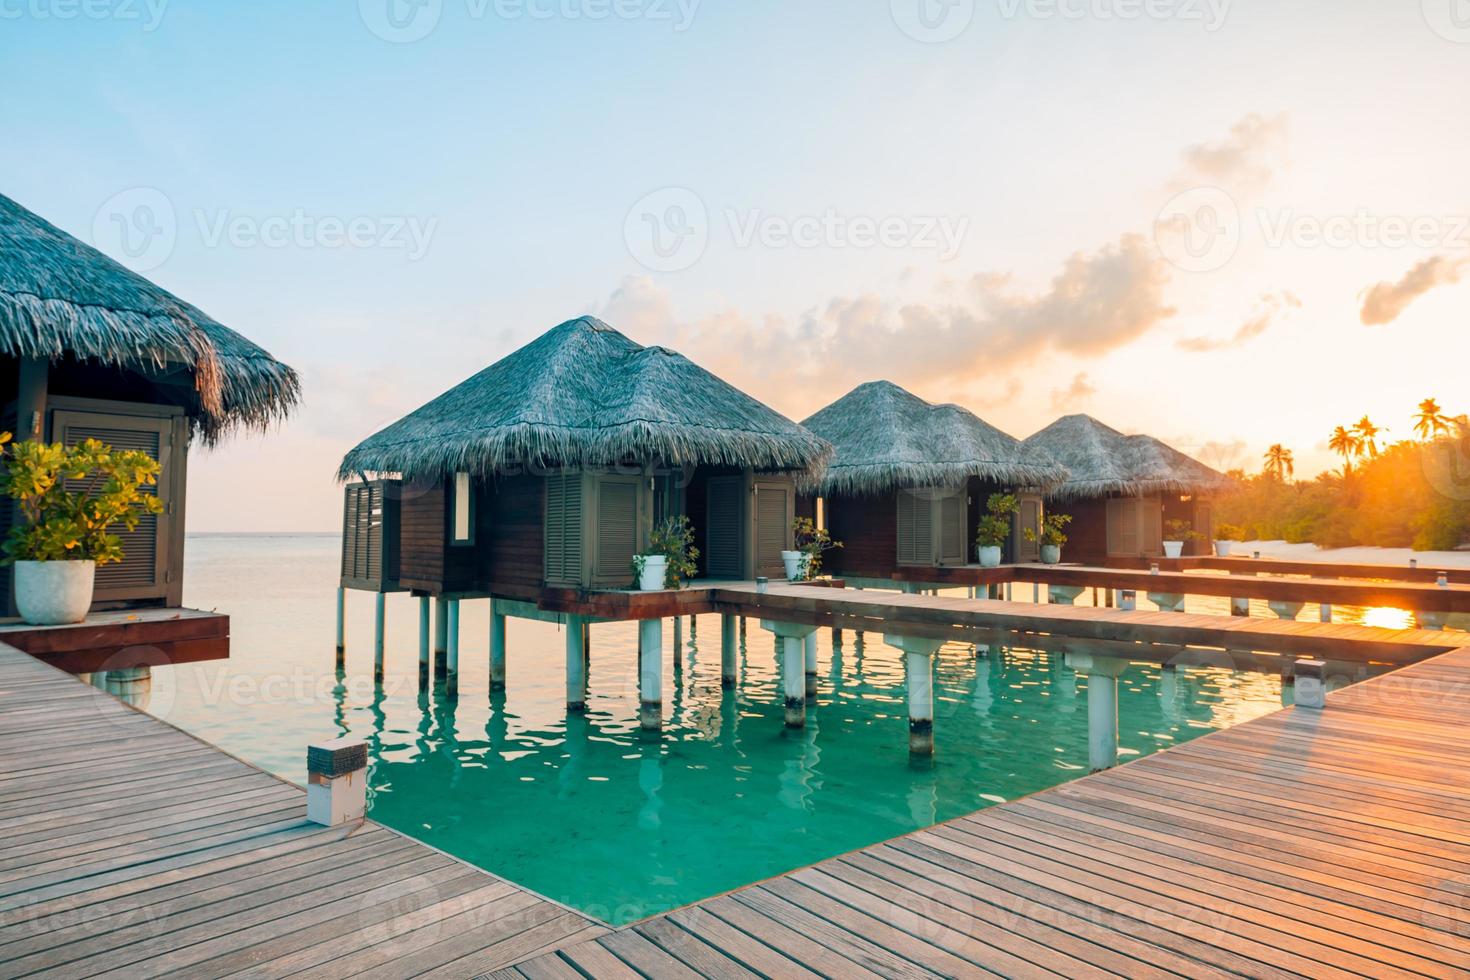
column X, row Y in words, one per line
column 1098, row 302
column 1244, row 161
column 1269, row 309
column 1065, row 401
column 1384, row 302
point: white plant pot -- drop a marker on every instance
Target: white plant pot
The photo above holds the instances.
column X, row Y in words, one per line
column 1173, row 549
column 1222, row 549
column 988, row 555
column 1051, row 554
column 53, row 593
column 654, row 574
column 795, row 562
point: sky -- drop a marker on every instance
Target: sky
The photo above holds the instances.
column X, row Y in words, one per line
column 1227, row 223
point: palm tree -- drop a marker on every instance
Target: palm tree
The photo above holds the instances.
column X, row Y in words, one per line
column 1279, row 462
column 1346, row 445
column 1430, row 422
column 1367, row 434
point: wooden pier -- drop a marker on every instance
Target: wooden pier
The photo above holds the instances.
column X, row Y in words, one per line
column 1322, row 843
column 124, row 638
column 133, row 849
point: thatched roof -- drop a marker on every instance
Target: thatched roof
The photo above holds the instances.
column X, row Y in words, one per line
column 888, row 438
column 1104, row 461
column 59, row 297
column 582, row 394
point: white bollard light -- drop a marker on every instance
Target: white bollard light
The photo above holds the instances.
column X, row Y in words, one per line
column 336, row 781
column 1311, row 684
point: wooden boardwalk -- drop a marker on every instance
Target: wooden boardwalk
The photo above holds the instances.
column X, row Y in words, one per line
column 132, row 849
column 1329, row 843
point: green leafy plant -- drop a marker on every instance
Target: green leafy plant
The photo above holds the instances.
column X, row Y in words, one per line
column 71, row 498
column 1229, row 532
column 1051, row 530
column 812, row 541
column 1178, row 530
column 673, row 538
column 995, row 523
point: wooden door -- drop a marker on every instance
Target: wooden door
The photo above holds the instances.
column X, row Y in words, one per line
column 723, row 527
column 1029, row 516
column 1151, row 526
column 1123, row 530
column 146, row 570
column 775, row 507
column 616, row 538
column 952, row 528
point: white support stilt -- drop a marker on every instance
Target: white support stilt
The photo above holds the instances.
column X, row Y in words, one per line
column 452, row 656
column 341, row 620
column 497, row 648
column 793, row 667
column 424, row 616
column 918, row 667
column 1063, row 595
column 651, row 674
column 441, row 625
column 1102, row 707
column 1036, row 593
column 1426, row 620
column 678, row 642
column 1009, row 591
column 1167, row 601
column 811, row 666
column 379, row 612
column 576, row 647
column 1286, row 610
column 729, row 651
column 1127, row 600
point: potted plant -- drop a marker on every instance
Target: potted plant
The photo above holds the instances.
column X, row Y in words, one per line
column 69, row 500
column 811, row 542
column 994, row 528
column 1225, row 535
column 668, row 561
column 1051, row 537
column 1178, row 532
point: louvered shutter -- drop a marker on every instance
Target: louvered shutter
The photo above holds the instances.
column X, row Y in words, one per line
column 772, row 527
column 952, row 529
column 1123, row 536
column 617, row 530
column 143, row 572
column 907, row 551
column 722, row 526
column 564, row 529
column 1028, row 517
column 1151, row 526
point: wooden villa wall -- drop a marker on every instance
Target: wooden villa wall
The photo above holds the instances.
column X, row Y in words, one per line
column 1087, row 535
column 867, row 526
column 510, row 540
column 423, row 519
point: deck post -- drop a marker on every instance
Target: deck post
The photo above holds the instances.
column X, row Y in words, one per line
column 424, row 616
column 918, row 672
column 380, row 600
column 341, row 621
column 1286, row 610
column 793, row 667
column 497, row 648
column 336, row 781
column 729, row 651
column 576, row 648
column 811, row 666
column 1310, row 686
column 1064, row 595
column 441, row 626
column 650, row 674
column 452, row 656
column 1102, row 707
column 1167, row 601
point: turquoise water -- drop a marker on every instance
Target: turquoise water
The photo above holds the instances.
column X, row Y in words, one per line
column 592, row 812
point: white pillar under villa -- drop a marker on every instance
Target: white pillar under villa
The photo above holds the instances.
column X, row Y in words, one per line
column 678, row 641
column 811, row 666
column 1167, row 601
column 379, row 602
column 729, row 651
column 1064, row 595
column 451, row 656
column 425, row 615
column 1430, row 620
column 497, row 648
column 576, row 647
column 441, row 628
column 918, row 672
column 1286, row 610
column 1102, row 706
column 341, row 620
column 793, row 667
column 651, row 674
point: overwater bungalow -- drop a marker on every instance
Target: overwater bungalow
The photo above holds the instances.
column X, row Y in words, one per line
column 90, row 349
column 549, row 468
column 1124, row 489
column 910, row 480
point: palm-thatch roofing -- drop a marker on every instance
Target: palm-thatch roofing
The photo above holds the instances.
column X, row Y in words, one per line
column 887, row 438
column 1104, row 461
column 582, row 394
column 59, row 297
